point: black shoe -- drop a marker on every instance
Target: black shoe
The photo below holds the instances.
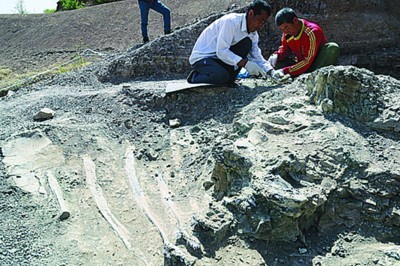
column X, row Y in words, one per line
column 168, row 32
column 233, row 84
column 145, row 39
column 191, row 75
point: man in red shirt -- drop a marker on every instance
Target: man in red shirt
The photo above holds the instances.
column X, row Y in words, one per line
column 303, row 46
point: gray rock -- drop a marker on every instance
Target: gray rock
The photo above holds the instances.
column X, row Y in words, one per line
column 358, row 94
column 44, row 114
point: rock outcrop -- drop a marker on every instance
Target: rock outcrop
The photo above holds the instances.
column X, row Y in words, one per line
column 296, row 166
column 357, row 94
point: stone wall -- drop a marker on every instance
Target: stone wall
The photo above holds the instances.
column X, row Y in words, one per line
column 368, row 32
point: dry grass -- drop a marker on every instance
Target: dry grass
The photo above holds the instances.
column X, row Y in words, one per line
column 10, row 80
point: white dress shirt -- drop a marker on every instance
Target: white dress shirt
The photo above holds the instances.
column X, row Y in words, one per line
column 219, row 36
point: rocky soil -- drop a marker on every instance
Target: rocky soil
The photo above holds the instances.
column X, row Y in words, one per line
column 117, row 172
column 258, row 174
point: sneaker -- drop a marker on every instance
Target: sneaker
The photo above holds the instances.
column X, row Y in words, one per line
column 145, row 39
column 168, row 32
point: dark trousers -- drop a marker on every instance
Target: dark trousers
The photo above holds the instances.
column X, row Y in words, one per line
column 213, row 70
column 157, row 6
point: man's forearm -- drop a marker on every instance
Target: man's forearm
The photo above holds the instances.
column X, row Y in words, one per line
column 242, row 63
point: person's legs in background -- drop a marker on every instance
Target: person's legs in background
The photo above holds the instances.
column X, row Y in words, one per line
column 163, row 10
column 144, row 16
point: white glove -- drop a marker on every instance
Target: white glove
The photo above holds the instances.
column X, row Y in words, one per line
column 277, row 74
column 266, row 70
column 254, row 69
column 273, row 59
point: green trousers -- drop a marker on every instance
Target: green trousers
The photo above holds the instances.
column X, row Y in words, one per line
column 328, row 55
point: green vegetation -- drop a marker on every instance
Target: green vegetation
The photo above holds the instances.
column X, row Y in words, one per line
column 76, row 4
column 72, row 4
column 49, row 11
column 4, row 72
column 77, row 62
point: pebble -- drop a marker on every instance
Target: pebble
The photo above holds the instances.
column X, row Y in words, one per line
column 13, row 250
column 174, row 122
column 44, row 114
column 302, row 250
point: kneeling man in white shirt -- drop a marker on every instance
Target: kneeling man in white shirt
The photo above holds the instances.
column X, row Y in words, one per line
column 228, row 44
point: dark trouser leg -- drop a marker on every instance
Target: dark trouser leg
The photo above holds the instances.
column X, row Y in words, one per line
column 144, row 18
column 210, row 70
column 328, row 55
column 242, row 49
column 163, row 10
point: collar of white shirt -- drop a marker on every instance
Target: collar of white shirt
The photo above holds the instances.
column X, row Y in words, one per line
column 244, row 24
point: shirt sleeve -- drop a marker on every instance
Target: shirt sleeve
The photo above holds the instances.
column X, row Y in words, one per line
column 284, row 50
column 224, row 42
column 312, row 43
column 256, row 56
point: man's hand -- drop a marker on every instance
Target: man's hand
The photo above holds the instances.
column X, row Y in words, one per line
column 277, row 74
column 254, row 69
column 273, row 59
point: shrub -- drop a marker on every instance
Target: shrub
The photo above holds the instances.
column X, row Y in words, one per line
column 49, row 11
column 72, row 4
column 75, row 4
column 4, row 72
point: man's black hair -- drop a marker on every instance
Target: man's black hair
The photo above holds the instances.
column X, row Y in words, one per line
column 258, row 6
column 285, row 15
